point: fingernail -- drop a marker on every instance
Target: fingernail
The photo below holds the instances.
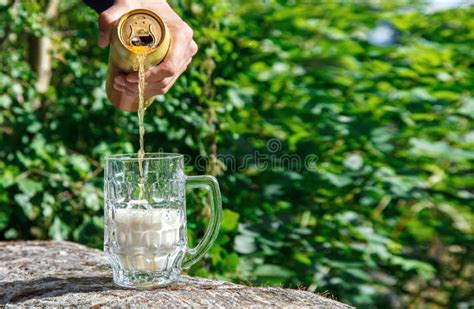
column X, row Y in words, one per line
column 132, row 79
column 119, row 80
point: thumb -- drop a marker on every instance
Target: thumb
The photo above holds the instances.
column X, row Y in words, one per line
column 107, row 21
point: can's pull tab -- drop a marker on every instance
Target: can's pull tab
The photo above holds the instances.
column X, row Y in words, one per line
column 141, row 37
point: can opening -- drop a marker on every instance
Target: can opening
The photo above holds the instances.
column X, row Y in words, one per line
column 142, row 40
column 141, row 31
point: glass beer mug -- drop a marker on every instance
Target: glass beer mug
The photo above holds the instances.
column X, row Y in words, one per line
column 145, row 218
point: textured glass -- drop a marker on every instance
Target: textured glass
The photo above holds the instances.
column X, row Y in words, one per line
column 145, row 220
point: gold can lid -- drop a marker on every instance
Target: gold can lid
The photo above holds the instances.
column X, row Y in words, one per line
column 141, row 29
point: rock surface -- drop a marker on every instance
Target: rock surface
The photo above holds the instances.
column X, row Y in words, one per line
column 49, row 273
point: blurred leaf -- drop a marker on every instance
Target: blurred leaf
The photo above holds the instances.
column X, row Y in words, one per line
column 59, row 230
column 29, row 187
column 268, row 270
column 230, row 220
column 244, row 244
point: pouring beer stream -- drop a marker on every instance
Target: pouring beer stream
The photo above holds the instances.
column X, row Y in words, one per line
column 139, row 41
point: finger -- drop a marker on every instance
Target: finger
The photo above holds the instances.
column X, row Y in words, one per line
column 153, row 74
column 131, row 92
column 175, row 78
column 120, row 79
column 193, row 48
column 107, row 20
column 119, row 88
column 132, row 77
column 163, row 86
column 133, row 87
column 170, row 84
column 185, row 67
column 180, row 52
column 149, row 88
column 155, row 88
column 167, row 87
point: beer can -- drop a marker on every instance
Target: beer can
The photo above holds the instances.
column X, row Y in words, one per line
column 135, row 29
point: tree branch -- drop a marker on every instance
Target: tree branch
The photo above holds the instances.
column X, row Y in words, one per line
column 41, row 48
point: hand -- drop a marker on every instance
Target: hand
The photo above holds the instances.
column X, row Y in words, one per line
column 160, row 78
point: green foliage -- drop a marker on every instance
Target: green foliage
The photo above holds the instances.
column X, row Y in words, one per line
column 386, row 216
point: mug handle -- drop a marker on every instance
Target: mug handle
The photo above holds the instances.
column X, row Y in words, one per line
column 210, row 183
